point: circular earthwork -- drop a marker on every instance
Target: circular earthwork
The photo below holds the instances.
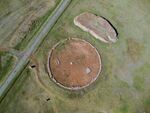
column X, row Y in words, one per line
column 74, row 64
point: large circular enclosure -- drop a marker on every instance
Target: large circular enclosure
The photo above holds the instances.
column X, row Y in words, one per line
column 74, row 64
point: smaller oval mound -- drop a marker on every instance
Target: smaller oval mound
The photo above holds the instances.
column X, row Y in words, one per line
column 74, row 64
column 97, row 26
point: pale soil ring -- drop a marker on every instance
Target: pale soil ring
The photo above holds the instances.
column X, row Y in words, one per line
column 74, row 64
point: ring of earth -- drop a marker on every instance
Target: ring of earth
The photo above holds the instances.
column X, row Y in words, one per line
column 74, row 64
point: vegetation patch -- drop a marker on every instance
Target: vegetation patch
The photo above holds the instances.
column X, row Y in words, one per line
column 6, row 64
column 134, row 49
column 36, row 24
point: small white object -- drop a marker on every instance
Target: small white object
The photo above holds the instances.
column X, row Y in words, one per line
column 57, row 61
column 88, row 70
column 70, row 63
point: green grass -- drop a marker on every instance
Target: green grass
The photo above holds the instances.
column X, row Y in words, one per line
column 139, row 82
column 124, row 81
column 124, row 109
column 34, row 29
column 116, row 58
column 9, row 61
column 134, row 49
column 3, row 7
column 147, row 102
column 6, row 64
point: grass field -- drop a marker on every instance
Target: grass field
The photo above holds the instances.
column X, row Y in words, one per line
column 7, row 62
column 19, row 21
column 23, row 15
column 123, row 85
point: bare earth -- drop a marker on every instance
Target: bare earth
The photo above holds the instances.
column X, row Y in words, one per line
column 74, row 64
column 97, row 26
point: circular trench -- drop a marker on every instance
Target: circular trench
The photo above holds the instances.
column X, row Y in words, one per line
column 74, row 64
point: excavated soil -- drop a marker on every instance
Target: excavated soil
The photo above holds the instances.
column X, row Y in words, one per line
column 74, row 63
column 97, row 26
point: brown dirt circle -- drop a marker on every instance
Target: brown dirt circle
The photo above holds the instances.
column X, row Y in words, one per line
column 74, row 64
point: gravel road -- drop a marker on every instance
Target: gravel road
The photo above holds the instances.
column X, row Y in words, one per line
column 32, row 46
